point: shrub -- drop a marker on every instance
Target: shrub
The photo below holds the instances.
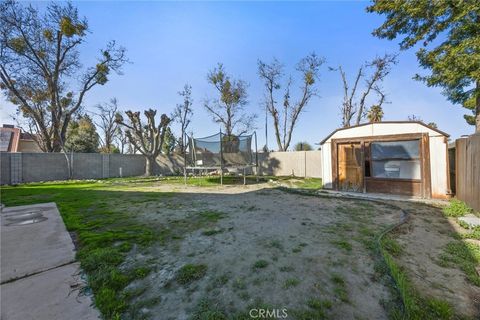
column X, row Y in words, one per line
column 457, row 208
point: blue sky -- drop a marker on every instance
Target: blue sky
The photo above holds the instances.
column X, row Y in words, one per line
column 173, row 43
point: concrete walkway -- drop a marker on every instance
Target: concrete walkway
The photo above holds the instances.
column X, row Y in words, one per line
column 39, row 276
column 383, row 196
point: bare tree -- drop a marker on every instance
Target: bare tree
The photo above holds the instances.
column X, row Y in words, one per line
column 107, row 113
column 124, row 146
column 146, row 138
column 355, row 106
column 39, row 63
column 183, row 114
column 229, row 108
column 414, row 117
column 285, row 117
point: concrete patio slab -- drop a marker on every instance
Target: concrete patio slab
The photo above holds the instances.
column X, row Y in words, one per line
column 39, row 276
column 28, row 248
column 49, row 295
column 471, row 220
column 383, row 196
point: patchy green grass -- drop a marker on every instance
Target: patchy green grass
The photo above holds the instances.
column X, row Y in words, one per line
column 260, row 264
column 475, row 234
column 340, row 287
column 211, row 215
column 286, row 269
column 208, row 310
column 456, row 208
column 275, row 244
column 239, row 284
column 316, row 309
column 106, row 232
column 319, row 304
column 212, row 232
column 308, row 183
column 190, row 272
column 291, row 282
column 392, row 246
column 214, row 180
column 178, row 228
column 464, row 255
column 463, row 224
column 342, row 244
column 414, row 305
column 291, row 182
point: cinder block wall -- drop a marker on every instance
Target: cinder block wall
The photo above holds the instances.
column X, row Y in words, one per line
column 42, row 167
column 128, row 164
column 34, row 167
column 88, row 166
column 4, row 168
column 295, row 163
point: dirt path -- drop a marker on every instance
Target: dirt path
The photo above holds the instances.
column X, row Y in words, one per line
column 424, row 238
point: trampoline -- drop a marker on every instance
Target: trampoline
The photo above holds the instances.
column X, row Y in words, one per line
column 221, row 152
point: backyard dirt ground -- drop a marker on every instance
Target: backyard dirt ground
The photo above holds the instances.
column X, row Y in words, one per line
column 154, row 248
column 314, row 256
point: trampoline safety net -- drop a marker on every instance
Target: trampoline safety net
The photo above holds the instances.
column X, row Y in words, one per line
column 220, row 150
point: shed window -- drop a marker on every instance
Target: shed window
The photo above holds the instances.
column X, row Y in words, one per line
column 396, row 159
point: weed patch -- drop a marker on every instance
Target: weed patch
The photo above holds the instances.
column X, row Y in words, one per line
column 260, row 264
column 456, row 208
column 190, row 272
column 212, row 232
column 342, row 244
column 340, row 288
column 291, row 282
column 392, row 246
column 464, row 255
column 415, row 306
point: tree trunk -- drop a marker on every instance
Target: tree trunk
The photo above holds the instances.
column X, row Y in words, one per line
column 69, row 164
column 150, row 161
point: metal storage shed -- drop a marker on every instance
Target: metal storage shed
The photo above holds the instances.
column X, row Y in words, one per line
column 397, row 157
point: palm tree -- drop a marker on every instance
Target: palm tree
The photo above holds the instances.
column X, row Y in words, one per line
column 375, row 114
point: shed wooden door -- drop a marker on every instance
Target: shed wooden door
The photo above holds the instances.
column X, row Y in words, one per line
column 350, row 169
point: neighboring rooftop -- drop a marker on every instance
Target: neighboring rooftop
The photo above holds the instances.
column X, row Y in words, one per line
column 14, row 140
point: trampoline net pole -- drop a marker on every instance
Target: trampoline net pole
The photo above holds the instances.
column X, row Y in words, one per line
column 184, row 151
column 256, row 156
column 221, row 158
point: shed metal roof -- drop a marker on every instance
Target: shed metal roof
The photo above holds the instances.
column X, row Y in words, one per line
column 384, row 122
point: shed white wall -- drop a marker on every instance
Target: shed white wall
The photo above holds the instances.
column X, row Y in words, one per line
column 438, row 166
column 438, row 149
column 327, row 178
